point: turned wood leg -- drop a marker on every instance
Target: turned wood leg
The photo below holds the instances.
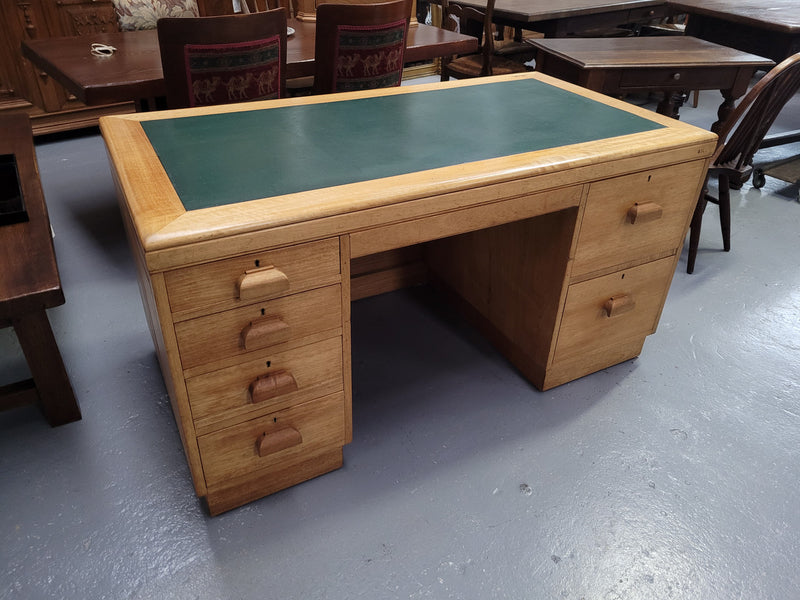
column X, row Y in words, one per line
column 724, row 110
column 670, row 104
column 694, row 230
column 56, row 397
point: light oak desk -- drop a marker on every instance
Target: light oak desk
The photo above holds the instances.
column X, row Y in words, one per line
column 552, row 215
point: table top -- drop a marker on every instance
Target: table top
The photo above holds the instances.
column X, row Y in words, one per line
column 655, row 52
column 544, row 10
column 28, row 273
column 134, row 70
column 779, row 15
column 572, row 128
column 219, row 159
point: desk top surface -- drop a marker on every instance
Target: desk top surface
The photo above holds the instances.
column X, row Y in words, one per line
column 235, row 157
column 134, row 70
column 545, row 10
column 768, row 14
column 648, row 51
column 356, row 160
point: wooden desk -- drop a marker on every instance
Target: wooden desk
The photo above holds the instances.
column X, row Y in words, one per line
column 769, row 28
column 29, row 284
column 133, row 72
column 557, row 234
column 672, row 65
column 567, row 18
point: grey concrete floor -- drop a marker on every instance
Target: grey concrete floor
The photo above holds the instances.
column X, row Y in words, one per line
column 675, row 475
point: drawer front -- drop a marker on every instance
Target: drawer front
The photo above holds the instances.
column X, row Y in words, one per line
column 610, row 310
column 257, row 326
column 679, row 78
column 243, row 280
column 273, row 440
column 646, row 13
column 269, row 380
column 661, row 202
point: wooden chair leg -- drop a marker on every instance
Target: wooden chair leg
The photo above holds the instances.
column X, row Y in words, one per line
column 694, row 230
column 56, row 397
column 725, row 211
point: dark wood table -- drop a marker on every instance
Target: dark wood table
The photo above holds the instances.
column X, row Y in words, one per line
column 673, row 65
column 29, row 284
column 769, row 28
column 564, row 18
column 133, row 72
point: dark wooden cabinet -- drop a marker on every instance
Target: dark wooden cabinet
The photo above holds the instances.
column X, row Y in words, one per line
column 25, row 88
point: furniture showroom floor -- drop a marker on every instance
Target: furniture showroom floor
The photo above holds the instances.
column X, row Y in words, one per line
column 675, row 475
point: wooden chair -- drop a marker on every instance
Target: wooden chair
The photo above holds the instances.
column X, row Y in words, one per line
column 216, row 8
column 477, row 23
column 360, row 46
column 196, row 58
column 739, row 138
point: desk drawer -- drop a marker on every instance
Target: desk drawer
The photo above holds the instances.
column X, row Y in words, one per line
column 606, row 311
column 257, row 326
column 253, row 278
column 272, row 441
column 271, row 379
column 663, row 200
column 679, row 78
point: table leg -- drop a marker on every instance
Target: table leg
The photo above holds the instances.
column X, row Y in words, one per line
column 671, row 103
column 56, row 397
column 724, row 110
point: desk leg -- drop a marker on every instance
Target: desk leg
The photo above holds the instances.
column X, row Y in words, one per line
column 56, row 397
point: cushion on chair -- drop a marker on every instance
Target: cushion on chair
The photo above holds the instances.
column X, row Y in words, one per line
column 225, row 73
column 369, row 56
column 143, row 14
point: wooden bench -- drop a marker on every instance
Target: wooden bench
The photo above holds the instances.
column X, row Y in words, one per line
column 30, row 284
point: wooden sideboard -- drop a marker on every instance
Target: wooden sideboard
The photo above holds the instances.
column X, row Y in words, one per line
column 556, row 231
column 23, row 87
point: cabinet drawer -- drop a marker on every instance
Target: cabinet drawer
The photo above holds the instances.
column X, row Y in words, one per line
column 257, row 326
column 246, row 279
column 273, row 440
column 270, row 379
column 606, row 311
column 663, row 200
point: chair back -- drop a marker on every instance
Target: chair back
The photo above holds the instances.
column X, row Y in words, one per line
column 360, row 46
column 474, row 22
column 216, row 8
column 220, row 60
column 745, row 128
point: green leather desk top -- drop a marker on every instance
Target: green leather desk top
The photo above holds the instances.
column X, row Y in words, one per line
column 234, row 157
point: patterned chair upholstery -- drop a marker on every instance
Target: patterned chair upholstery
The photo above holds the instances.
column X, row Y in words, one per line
column 220, row 60
column 143, row 14
column 360, row 47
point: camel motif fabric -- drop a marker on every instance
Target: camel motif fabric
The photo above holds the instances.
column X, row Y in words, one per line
column 226, row 73
column 369, row 57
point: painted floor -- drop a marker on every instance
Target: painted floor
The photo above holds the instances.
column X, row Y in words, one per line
column 672, row 476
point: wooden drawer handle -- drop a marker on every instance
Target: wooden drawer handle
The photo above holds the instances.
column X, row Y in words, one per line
column 272, row 385
column 618, row 305
column 275, row 441
column 261, row 282
column 644, row 212
column 265, row 332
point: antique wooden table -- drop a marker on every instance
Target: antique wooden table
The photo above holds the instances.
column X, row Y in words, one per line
column 769, row 28
column 564, row 18
column 133, row 72
column 30, row 284
column 672, row 65
column 556, row 231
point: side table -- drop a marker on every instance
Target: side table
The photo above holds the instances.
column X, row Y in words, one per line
column 669, row 64
column 29, row 279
